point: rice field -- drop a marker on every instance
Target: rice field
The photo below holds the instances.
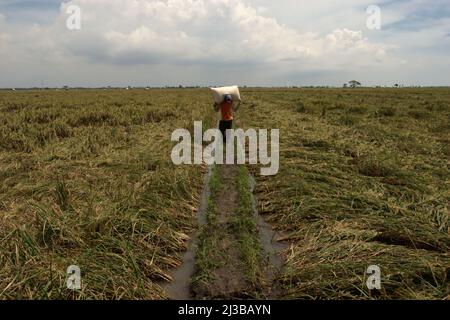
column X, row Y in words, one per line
column 87, row 179
column 364, row 180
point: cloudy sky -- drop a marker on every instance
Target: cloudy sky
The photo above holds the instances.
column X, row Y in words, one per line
column 219, row 42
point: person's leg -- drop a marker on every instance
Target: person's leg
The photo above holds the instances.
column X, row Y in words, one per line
column 228, row 125
column 222, row 128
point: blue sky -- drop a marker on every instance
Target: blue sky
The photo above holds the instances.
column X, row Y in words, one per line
column 30, row 12
column 214, row 42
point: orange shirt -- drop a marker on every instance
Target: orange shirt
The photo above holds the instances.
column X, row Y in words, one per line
column 226, row 109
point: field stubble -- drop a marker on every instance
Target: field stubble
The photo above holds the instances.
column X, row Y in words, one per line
column 364, row 180
column 86, row 179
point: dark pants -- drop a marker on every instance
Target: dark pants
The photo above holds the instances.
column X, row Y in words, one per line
column 224, row 125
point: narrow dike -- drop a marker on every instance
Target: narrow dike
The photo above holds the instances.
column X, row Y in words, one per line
column 235, row 254
column 220, row 271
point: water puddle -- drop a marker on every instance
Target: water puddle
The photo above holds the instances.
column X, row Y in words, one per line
column 179, row 287
column 269, row 242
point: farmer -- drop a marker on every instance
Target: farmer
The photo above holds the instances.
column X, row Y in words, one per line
column 227, row 109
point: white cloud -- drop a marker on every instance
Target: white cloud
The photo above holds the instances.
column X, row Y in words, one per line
column 350, row 42
column 198, row 31
column 203, row 41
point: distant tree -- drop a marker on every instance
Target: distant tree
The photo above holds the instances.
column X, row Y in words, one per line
column 345, row 85
column 354, row 84
column 396, row 85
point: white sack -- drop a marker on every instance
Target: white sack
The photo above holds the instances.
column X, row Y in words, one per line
column 220, row 93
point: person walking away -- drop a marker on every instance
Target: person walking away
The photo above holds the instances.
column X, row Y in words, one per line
column 227, row 108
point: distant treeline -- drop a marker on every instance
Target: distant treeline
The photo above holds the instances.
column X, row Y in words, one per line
column 205, row 87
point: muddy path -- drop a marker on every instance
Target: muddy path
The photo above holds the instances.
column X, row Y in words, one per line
column 235, row 253
column 226, row 278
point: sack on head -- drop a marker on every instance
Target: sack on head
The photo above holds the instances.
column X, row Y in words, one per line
column 219, row 93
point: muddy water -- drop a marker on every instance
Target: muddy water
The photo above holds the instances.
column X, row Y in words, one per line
column 179, row 288
column 271, row 246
